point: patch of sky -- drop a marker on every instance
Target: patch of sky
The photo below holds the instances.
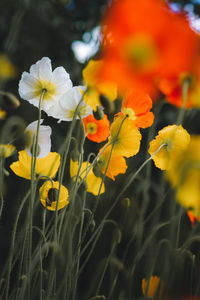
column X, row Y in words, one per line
column 88, row 47
column 193, row 19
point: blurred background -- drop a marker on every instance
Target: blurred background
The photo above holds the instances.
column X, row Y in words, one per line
column 68, row 32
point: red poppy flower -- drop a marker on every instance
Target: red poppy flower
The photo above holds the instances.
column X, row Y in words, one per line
column 97, row 130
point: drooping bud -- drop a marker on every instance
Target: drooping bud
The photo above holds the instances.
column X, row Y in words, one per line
column 107, row 104
column 98, row 114
column 8, row 100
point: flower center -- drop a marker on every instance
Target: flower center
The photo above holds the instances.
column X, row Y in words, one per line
column 82, row 111
column 129, row 113
column 52, row 196
column 42, row 85
column 141, row 51
column 168, row 144
column 91, row 128
column 101, row 162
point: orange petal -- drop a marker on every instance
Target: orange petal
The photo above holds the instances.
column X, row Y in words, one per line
column 138, row 100
column 145, row 120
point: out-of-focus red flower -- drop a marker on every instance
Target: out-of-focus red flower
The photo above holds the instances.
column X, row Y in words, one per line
column 173, row 87
column 136, row 106
column 144, row 41
column 97, row 130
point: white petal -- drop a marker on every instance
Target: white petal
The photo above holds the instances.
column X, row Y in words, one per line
column 45, row 69
column 27, row 85
column 70, row 99
column 44, row 140
column 55, row 111
column 33, row 126
column 62, row 80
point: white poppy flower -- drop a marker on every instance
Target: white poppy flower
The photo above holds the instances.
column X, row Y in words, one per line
column 44, row 140
column 68, row 104
column 40, row 78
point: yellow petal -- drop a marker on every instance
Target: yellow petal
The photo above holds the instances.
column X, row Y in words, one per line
column 97, row 87
column 20, row 170
column 93, row 182
column 92, row 98
column 176, row 139
column 126, row 136
column 47, row 165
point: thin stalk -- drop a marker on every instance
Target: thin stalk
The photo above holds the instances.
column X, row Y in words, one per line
column 12, row 247
column 181, row 114
column 131, row 179
column 2, row 159
column 33, row 186
column 65, row 150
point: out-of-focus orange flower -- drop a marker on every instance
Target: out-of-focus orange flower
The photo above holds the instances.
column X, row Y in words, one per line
column 136, row 106
column 97, row 130
column 144, row 41
column 173, row 87
column 116, row 163
column 192, row 218
column 153, row 287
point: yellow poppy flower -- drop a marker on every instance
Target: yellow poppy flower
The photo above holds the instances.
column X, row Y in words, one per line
column 48, row 192
column 2, row 114
column 116, row 164
column 97, row 87
column 184, row 175
column 126, row 137
column 175, row 138
column 47, row 165
column 93, row 182
column 153, row 287
column 6, row 150
column 7, row 69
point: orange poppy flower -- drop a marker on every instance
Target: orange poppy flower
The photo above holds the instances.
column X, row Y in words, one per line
column 136, row 105
column 97, row 130
column 140, row 44
column 116, row 163
column 192, row 218
column 153, row 287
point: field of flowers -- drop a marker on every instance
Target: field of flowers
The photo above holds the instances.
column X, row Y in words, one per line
column 99, row 161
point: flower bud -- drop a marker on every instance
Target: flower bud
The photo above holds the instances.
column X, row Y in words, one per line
column 107, row 104
column 9, row 100
column 98, row 114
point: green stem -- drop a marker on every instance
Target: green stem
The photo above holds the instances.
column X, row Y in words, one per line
column 131, row 179
column 33, row 190
column 12, row 247
column 182, row 110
